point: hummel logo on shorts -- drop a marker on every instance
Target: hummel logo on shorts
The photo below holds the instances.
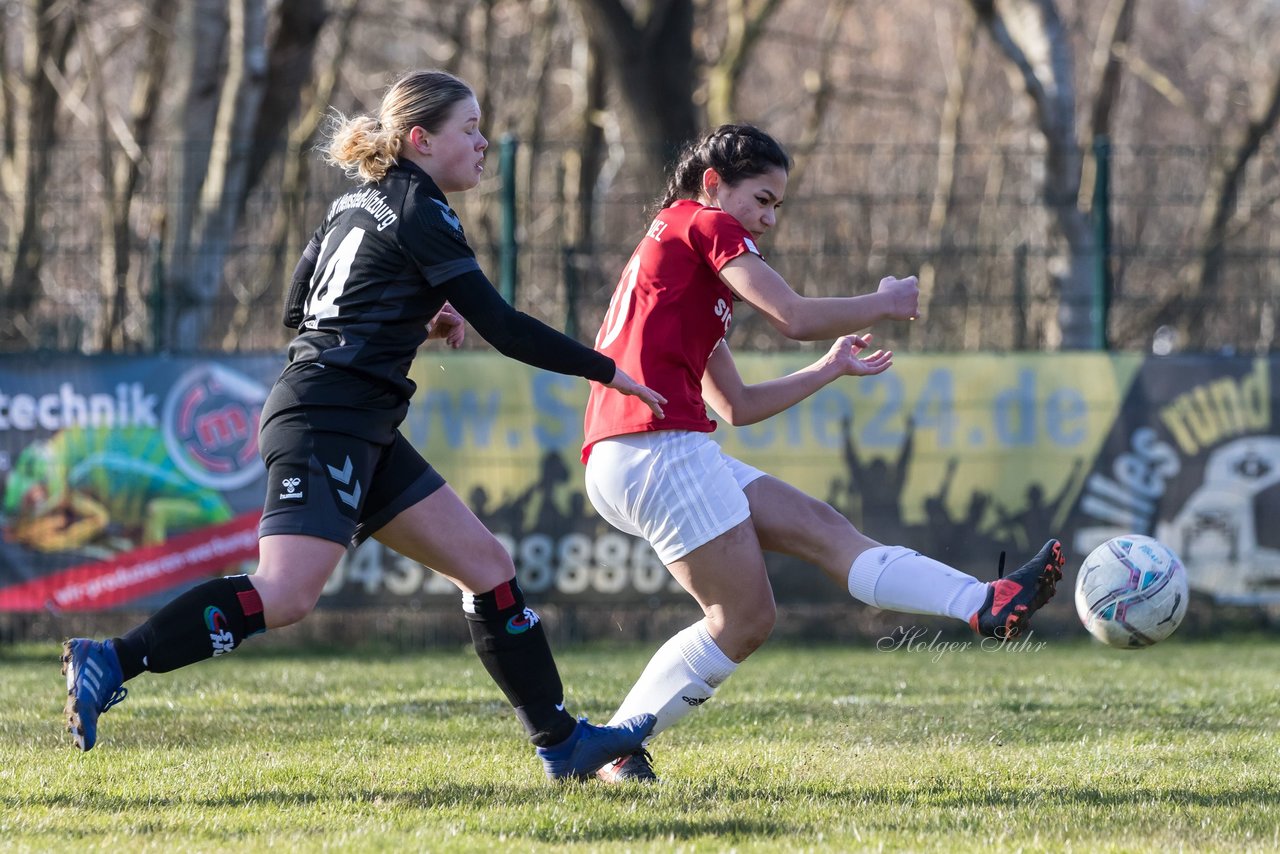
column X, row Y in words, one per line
column 290, row 486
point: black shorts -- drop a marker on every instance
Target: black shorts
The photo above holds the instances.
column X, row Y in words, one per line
column 332, row 484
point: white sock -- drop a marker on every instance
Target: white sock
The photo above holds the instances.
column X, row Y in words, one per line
column 898, row 579
column 681, row 676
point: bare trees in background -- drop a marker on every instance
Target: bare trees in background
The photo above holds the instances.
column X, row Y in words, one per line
column 157, row 173
column 248, row 65
column 1225, row 211
column 125, row 135
column 1033, row 38
column 31, row 109
column 314, row 88
column 648, row 47
column 108, row 75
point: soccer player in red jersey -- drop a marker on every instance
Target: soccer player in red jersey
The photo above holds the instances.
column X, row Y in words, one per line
column 709, row 516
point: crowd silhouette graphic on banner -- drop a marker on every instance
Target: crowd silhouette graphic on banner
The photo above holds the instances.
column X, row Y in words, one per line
column 869, row 492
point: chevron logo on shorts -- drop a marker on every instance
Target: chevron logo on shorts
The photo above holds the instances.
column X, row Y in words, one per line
column 343, row 476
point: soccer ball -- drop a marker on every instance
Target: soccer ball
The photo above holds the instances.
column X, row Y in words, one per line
column 1131, row 592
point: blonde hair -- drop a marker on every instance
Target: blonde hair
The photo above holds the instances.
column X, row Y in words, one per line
column 365, row 147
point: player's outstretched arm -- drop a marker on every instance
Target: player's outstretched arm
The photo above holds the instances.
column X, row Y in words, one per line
column 519, row 336
column 815, row 318
column 740, row 404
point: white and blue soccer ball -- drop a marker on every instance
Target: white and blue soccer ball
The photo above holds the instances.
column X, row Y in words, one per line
column 1131, row 592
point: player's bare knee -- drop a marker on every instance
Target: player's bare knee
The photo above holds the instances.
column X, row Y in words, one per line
column 490, row 566
column 287, row 610
column 829, row 517
column 825, row 535
column 285, row 604
column 748, row 627
column 823, row 520
column 766, row 617
column 759, row 633
column 497, row 556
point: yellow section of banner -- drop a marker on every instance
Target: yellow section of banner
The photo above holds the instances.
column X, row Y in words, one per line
column 938, row 427
column 1019, row 428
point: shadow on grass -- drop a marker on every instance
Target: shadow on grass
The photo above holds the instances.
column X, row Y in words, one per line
column 36, row 652
column 490, row 795
column 457, row 643
column 675, row 814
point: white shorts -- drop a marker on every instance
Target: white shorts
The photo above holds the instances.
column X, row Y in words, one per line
column 675, row 488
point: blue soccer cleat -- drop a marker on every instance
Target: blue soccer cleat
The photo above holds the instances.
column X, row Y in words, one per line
column 587, row 750
column 94, row 684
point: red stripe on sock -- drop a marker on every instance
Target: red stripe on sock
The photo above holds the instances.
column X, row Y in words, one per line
column 250, row 602
column 503, row 596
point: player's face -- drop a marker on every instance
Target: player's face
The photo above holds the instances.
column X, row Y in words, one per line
column 455, row 154
column 754, row 201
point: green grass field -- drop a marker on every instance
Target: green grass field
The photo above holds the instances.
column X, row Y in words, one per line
column 1069, row 746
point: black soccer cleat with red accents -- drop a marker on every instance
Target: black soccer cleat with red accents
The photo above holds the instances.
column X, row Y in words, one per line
column 636, row 767
column 1011, row 601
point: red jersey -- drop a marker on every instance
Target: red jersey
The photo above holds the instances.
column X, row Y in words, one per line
column 668, row 313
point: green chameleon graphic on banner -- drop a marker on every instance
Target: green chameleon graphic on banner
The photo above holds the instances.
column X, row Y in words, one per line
column 105, row 490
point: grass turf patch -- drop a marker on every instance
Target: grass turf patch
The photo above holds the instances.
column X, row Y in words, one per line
column 1064, row 745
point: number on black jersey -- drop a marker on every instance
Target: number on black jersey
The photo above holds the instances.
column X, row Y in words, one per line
column 331, row 277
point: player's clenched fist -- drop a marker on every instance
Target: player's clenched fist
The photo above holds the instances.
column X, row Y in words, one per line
column 904, row 296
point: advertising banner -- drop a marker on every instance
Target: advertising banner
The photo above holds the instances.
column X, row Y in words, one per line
column 127, row 478
column 1193, row 459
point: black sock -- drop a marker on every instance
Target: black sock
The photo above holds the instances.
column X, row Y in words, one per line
column 509, row 639
column 207, row 620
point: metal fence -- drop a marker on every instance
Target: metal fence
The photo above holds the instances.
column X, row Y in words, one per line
column 854, row 213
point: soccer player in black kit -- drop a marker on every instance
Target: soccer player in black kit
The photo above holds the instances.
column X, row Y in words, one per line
column 388, row 268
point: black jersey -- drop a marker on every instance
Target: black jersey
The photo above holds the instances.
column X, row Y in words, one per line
column 388, row 255
column 378, row 260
